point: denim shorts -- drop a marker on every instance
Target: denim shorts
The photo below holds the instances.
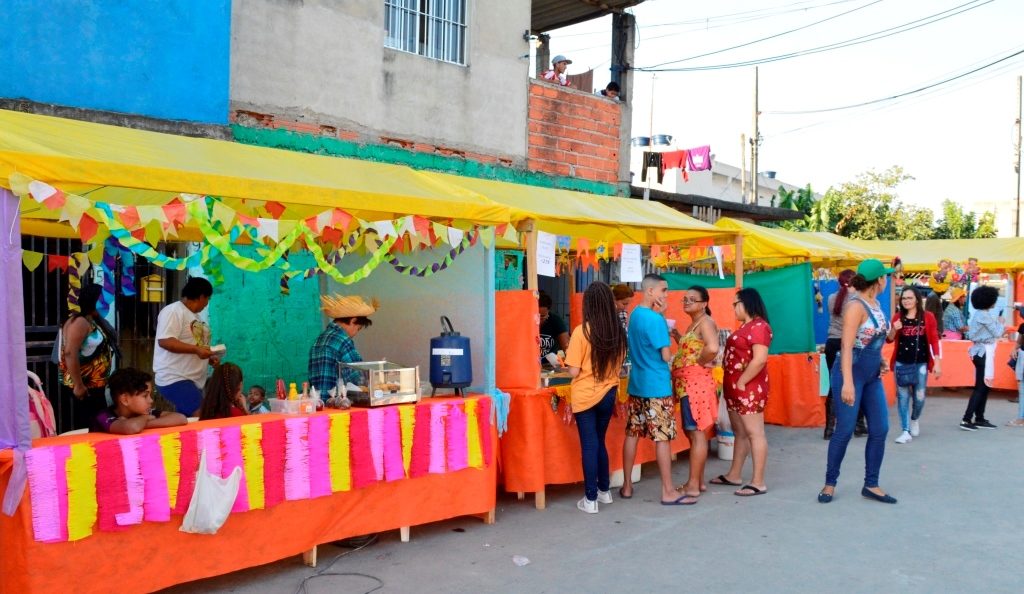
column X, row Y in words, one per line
column 689, row 424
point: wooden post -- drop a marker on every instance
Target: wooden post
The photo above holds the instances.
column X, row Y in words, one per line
column 739, row 261
column 403, row 533
column 488, row 517
column 309, row 557
column 530, row 229
column 539, row 499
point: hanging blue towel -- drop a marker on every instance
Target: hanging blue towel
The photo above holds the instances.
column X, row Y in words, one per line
column 823, row 376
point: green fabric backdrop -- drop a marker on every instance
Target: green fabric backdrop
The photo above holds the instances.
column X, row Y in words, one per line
column 787, row 294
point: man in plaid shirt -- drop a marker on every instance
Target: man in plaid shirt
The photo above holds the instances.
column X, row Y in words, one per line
column 335, row 344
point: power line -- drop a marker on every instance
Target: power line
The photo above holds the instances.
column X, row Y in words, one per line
column 776, row 35
column 904, row 94
column 903, row 28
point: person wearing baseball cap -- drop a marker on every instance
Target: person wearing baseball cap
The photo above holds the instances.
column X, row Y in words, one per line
column 857, row 383
column 557, row 73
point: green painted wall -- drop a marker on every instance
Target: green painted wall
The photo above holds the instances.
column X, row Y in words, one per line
column 324, row 145
column 267, row 334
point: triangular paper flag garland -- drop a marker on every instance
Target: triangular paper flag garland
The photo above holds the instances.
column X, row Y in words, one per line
column 223, row 214
column 267, row 228
column 148, row 214
column 487, row 236
column 340, row 218
column 129, row 216
column 455, row 236
column 276, row 209
column 31, row 259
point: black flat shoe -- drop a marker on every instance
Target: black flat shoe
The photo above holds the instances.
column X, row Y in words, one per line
column 828, row 433
column 869, row 494
column 824, row 497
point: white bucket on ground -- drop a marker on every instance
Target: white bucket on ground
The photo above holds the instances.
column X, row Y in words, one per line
column 726, row 440
column 615, row 479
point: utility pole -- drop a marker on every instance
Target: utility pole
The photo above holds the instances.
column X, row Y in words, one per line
column 650, row 124
column 743, row 167
column 1017, row 148
column 755, row 141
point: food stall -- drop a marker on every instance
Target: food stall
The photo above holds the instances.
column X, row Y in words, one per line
column 79, row 508
column 541, row 446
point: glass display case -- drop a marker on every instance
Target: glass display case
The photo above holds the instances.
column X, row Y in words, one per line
column 382, row 383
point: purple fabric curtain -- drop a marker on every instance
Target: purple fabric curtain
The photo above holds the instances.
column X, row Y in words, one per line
column 14, row 429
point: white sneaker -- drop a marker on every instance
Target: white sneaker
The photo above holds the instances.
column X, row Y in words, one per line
column 904, row 437
column 915, row 428
column 586, row 505
column 604, row 496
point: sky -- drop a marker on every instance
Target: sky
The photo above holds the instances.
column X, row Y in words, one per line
column 956, row 139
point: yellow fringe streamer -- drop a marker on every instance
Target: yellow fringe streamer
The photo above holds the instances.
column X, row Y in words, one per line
column 476, row 456
column 170, row 450
column 341, row 472
column 81, row 477
column 252, row 459
column 407, row 417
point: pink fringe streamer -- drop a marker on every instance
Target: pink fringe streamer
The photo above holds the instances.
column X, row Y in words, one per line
column 375, row 418
column 273, row 445
column 296, row 459
column 60, row 463
column 188, row 467
column 457, row 439
column 133, row 482
column 42, row 475
column 319, row 456
column 420, row 464
column 437, row 457
column 363, row 474
column 156, row 503
column 394, row 464
column 483, row 418
column 209, row 440
column 231, row 443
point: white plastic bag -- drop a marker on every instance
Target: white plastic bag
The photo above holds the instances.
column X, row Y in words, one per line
column 212, row 500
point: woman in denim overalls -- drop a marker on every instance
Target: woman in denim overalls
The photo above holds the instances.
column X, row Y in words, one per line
column 857, row 384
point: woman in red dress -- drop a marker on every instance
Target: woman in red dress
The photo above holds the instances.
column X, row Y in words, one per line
column 745, row 388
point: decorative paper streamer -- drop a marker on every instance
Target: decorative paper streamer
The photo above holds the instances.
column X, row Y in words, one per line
column 341, row 470
column 394, row 463
column 296, row 459
column 155, row 504
column 61, row 454
column 141, row 248
column 363, row 473
column 231, row 445
column 78, row 264
column 407, row 419
column 111, row 487
column 319, row 456
column 424, row 270
column 359, row 274
column 455, row 427
column 484, row 418
column 170, row 451
column 42, row 473
column 420, row 464
column 273, row 446
column 31, row 259
column 209, row 441
column 134, row 486
column 189, row 465
column 375, row 421
column 82, row 503
column 253, row 464
column 437, row 434
column 474, row 455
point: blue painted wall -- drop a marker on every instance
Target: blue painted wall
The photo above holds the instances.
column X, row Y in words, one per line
column 161, row 58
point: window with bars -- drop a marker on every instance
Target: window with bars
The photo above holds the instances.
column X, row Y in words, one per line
column 432, row 28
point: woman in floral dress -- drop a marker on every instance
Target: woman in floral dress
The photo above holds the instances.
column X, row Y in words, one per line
column 745, row 388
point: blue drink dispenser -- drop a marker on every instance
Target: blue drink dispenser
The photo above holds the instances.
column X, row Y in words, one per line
column 450, row 363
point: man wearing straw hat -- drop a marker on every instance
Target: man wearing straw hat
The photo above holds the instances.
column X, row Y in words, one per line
column 349, row 315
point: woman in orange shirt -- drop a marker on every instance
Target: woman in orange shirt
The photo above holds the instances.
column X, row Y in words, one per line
column 596, row 350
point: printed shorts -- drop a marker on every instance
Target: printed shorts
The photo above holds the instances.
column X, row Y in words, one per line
column 652, row 418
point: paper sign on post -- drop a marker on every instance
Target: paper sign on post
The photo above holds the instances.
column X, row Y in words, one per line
column 545, row 253
column 630, row 266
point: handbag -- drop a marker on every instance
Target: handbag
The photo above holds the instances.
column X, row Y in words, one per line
column 906, row 375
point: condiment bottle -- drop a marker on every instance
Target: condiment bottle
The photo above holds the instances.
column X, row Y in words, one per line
column 293, row 394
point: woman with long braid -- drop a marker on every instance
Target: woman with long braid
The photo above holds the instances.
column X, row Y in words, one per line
column 223, row 395
column 596, row 350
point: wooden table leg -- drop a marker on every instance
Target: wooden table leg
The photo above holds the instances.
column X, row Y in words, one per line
column 538, row 500
column 488, row 517
column 404, row 533
column 309, row 557
column 520, row 495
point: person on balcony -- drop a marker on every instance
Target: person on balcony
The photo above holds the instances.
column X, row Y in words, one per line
column 557, row 73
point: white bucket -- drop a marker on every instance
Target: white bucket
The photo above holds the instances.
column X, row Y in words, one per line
column 726, row 440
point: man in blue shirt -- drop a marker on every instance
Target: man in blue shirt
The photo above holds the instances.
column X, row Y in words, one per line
column 335, row 345
column 651, row 403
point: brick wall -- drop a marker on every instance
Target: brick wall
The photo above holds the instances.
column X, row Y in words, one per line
column 267, row 334
column 573, row 133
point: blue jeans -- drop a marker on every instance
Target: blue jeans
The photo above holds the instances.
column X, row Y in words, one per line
column 185, row 395
column 869, row 396
column 592, row 425
column 903, row 395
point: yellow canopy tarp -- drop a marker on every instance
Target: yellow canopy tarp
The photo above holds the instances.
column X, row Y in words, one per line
column 771, row 247
column 598, row 218
column 136, row 167
column 997, row 254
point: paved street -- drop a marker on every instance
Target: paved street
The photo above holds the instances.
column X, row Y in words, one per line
column 956, row 528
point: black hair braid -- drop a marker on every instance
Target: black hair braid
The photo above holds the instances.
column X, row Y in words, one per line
column 602, row 329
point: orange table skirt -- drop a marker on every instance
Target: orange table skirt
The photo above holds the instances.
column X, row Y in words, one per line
column 539, row 449
column 958, row 369
column 794, row 387
column 163, row 556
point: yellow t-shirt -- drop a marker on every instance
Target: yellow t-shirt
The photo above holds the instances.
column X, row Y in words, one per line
column 587, row 391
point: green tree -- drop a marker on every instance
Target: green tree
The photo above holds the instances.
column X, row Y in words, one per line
column 986, row 225
column 868, row 208
column 800, row 200
column 955, row 223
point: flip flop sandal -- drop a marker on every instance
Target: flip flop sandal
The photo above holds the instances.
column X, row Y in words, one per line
column 684, row 500
column 623, row 495
column 721, row 480
column 749, row 491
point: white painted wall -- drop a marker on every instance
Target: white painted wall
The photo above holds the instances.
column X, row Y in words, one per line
column 325, row 61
